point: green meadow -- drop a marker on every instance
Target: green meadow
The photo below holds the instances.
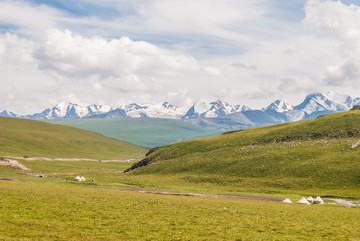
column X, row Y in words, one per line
column 57, row 208
column 20, row 137
column 288, row 160
column 146, row 132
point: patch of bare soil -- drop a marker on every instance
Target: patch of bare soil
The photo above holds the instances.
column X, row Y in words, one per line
column 238, row 196
column 65, row 159
column 13, row 163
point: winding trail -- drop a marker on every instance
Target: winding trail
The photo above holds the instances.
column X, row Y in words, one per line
column 13, row 163
column 237, row 196
column 12, row 160
column 8, row 161
column 65, row 159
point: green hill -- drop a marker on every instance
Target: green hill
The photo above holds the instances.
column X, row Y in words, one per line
column 313, row 156
column 20, row 137
column 146, row 132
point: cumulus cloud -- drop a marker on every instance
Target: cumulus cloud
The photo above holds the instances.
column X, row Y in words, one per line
column 342, row 22
column 345, row 74
column 240, row 51
column 15, row 50
column 74, row 55
column 28, row 18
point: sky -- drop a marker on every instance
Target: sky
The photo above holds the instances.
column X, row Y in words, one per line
column 118, row 52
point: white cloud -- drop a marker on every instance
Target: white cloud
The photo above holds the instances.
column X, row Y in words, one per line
column 15, row 50
column 76, row 56
column 198, row 16
column 246, row 52
column 31, row 19
column 341, row 22
column 212, row 71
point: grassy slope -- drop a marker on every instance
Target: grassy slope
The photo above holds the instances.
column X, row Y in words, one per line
column 19, row 137
column 143, row 132
column 311, row 156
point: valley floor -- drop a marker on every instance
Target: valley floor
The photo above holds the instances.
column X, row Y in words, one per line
column 36, row 208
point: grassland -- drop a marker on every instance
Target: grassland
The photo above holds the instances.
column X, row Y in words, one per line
column 306, row 157
column 141, row 131
column 19, row 137
column 45, row 209
column 289, row 160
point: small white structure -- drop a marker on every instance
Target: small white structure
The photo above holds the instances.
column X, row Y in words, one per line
column 77, row 178
column 310, row 199
column 287, row 200
column 303, row 201
column 80, row 179
column 318, row 200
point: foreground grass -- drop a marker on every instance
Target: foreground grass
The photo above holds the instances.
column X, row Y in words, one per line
column 19, row 137
column 58, row 210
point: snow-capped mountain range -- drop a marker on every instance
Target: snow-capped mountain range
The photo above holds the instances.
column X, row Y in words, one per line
column 217, row 114
column 66, row 110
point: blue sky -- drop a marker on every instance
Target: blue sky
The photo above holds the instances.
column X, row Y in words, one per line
column 149, row 51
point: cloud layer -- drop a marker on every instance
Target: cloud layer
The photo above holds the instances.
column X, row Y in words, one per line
column 76, row 56
column 117, row 52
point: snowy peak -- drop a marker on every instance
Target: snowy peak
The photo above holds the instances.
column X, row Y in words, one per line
column 162, row 110
column 321, row 103
column 6, row 113
column 356, row 101
column 98, row 109
column 67, row 110
column 279, row 106
column 213, row 109
column 339, row 98
column 277, row 112
column 318, row 102
column 133, row 107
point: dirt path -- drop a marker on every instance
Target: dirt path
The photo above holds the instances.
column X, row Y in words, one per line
column 13, row 163
column 169, row 192
column 64, row 159
column 238, row 196
column 9, row 160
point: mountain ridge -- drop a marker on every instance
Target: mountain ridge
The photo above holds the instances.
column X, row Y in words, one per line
column 215, row 114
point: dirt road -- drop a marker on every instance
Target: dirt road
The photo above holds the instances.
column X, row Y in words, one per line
column 12, row 160
column 64, row 159
column 238, row 196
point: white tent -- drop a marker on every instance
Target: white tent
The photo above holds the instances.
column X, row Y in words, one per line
column 287, row 200
column 318, row 200
column 77, row 178
column 303, row 201
column 82, row 179
column 310, row 199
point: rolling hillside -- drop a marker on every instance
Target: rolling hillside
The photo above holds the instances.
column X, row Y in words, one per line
column 20, row 137
column 312, row 156
column 144, row 132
